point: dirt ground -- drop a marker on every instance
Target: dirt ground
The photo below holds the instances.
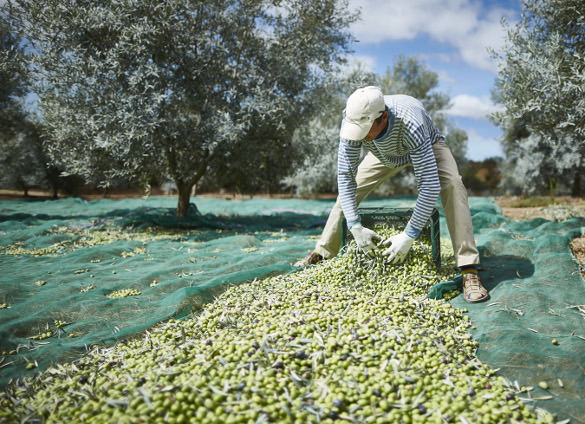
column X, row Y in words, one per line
column 521, row 213
column 507, row 203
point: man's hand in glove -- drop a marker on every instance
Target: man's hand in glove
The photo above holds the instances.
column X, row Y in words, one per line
column 400, row 244
column 364, row 237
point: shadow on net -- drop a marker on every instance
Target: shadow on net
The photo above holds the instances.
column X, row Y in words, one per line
column 493, row 270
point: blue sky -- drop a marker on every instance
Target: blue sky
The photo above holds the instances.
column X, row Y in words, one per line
column 451, row 37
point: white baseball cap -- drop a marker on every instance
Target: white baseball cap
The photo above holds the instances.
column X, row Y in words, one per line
column 363, row 107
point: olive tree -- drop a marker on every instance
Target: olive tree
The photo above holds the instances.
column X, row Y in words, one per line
column 12, row 72
column 21, row 155
column 540, row 82
column 23, row 159
column 320, row 134
column 173, row 89
column 12, row 76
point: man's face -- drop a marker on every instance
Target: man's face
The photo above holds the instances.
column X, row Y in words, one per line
column 377, row 128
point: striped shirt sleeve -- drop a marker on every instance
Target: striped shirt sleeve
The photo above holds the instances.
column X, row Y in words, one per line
column 348, row 158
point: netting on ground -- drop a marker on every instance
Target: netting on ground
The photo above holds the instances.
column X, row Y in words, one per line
column 74, row 274
column 533, row 326
column 353, row 339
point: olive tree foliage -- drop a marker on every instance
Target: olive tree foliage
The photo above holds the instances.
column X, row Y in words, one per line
column 132, row 89
column 320, row 134
column 269, row 152
column 12, row 77
column 531, row 172
column 21, row 155
column 540, row 82
column 23, row 160
column 407, row 76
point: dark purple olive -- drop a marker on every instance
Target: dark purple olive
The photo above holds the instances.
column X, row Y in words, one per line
column 300, row 354
column 338, row 403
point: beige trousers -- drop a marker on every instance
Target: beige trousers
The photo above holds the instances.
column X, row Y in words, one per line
column 371, row 173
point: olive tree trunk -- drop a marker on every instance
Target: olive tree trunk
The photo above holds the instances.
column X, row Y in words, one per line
column 185, row 184
column 184, row 189
column 576, row 189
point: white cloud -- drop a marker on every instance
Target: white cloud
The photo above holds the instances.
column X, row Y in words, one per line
column 368, row 63
column 444, row 77
column 443, row 57
column 467, row 106
column 480, row 147
column 463, row 24
column 488, row 33
column 362, row 62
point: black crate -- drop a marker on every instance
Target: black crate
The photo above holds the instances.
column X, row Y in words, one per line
column 373, row 216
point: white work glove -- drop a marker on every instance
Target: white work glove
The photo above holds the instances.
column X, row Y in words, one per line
column 364, row 237
column 400, row 244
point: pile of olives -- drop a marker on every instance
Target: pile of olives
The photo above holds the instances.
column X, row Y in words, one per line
column 351, row 339
column 124, row 293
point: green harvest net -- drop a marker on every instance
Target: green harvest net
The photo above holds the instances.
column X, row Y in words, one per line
column 74, row 274
column 533, row 326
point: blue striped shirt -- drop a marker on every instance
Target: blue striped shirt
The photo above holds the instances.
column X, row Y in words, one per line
column 408, row 139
